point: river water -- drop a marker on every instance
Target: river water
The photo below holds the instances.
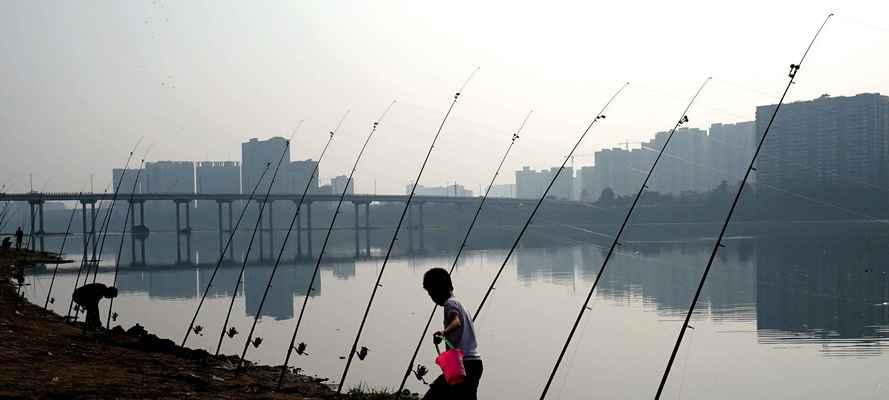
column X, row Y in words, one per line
column 789, row 318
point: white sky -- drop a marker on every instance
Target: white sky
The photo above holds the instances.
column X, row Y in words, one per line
column 81, row 82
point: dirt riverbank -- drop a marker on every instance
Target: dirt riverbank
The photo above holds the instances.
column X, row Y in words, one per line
column 43, row 357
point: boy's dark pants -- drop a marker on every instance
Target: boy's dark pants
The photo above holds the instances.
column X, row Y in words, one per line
column 439, row 389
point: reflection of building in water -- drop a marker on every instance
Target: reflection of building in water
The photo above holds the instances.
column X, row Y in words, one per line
column 555, row 264
column 666, row 275
column 289, row 281
column 164, row 284
column 341, row 269
column 832, row 288
column 223, row 283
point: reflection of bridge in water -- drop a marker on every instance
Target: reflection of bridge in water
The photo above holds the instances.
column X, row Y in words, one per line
column 225, row 218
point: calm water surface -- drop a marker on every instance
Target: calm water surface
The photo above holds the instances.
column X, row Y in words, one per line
column 790, row 319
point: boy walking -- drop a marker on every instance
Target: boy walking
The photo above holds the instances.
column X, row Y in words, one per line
column 459, row 332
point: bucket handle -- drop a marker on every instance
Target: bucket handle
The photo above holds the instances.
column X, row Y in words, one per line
column 448, row 344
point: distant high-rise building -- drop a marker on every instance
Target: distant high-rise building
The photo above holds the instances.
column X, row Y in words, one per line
column 589, row 186
column 338, row 183
column 255, row 155
column 506, row 190
column 825, row 140
column 686, row 167
column 615, row 169
column 126, row 187
column 168, row 177
column 215, row 177
column 298, row 173
column 731, row 148
column 530, row 184
column 455, row 190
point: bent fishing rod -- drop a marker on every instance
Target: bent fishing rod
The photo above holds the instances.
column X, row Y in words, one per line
column 518, row 239
column 108, row 213
column 256, row 227
column 407, row 206
column 478, row 210
column 794, row 68
column 61, row 250
column 191, row 326
column 302, row 310
column 123, row 235
column 683, row 119
column 84, row 260
column 293, row 220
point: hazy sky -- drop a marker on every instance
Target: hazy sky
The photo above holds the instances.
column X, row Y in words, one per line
column 81, row 82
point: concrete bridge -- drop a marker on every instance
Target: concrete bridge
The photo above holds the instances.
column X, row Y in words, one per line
column 140, row 232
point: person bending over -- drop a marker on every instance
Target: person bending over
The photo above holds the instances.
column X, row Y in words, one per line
column 88, row 296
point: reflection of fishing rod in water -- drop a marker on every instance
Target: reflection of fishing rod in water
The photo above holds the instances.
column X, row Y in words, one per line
column 123, row 232
column 61, row 250
column 302, row 346
column 410, row 366
column 191, row 326
column 107, row 220
column 268, row 285
column 794, row 68
column 515, row 244
column 233, row 331
column 616, row 242
column 407, row 205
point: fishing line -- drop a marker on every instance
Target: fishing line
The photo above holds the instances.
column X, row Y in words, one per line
column 233, row 331
column 123, row 235
column 794, row 68
column 404, row 212
column 84, row 260
column 515, row 244
column 108, row 214
column 302, row 346
column 191, row 325
column 616, row 242
column 410, row 365
column 61, row 250
column 258, row 340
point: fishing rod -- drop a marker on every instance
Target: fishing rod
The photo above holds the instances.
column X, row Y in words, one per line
column 407, row 206
column 794, row 68
column 515, row 244
column 191, row 325
column 302, row 310
column 478, row 210
column 616, row 242
column 109, row 212
column 123, row 235
column 232, row 332
column 268, row 286
column 61, row 249
column 84, row 261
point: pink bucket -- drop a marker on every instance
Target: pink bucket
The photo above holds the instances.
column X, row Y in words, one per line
column 451, row 363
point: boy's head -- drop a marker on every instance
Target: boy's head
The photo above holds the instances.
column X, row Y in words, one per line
column 437, row 283
column 110, row 292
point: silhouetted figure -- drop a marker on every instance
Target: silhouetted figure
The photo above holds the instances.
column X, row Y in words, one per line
column 88, row 296
column 7, row 243
column 459, row 332
column 19, row 234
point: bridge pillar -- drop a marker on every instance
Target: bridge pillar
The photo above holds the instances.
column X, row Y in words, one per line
column 41, row 232
column 188, row 231
column 421, row 227
column 309, row 229
column 259, row 208
column 219, row 225
column 178, row 235
column 410, row 229
column 231, row 246
column 183, row 231
column 86, row 241
column 31, row 229
column 93, row 225
column 271, row 230
column 357, row 231
column 138, row 232
column 367, row 228
column 132, row 213
column 299, row 230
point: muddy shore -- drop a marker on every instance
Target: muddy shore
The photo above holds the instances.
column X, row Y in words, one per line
column 44, row 357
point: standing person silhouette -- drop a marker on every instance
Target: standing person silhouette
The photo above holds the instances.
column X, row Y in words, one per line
column 19, row 234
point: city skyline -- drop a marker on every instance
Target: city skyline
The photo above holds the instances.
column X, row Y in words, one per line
column 196, row 81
